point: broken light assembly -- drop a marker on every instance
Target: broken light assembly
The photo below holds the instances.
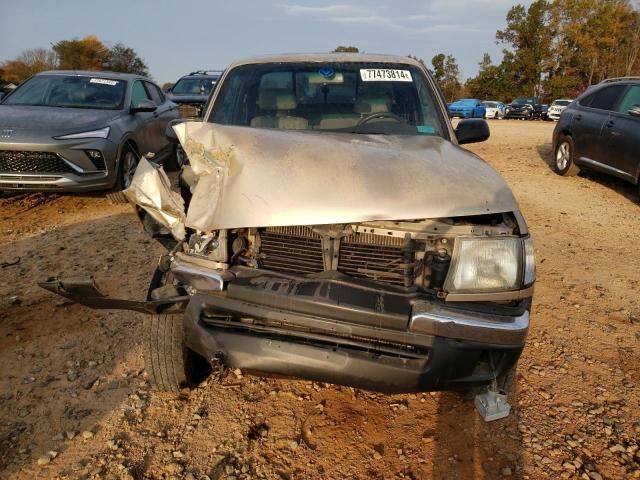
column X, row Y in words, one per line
column 487, row 265
column 100, row 133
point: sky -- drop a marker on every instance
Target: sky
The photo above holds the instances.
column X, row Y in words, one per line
column 179, row 36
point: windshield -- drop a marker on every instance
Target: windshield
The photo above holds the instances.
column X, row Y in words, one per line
column 561, row 103
column 194, row 86
column 523, row 101
column 490, row 104
column 465, row 102
column 70, row 91
column 337, row 96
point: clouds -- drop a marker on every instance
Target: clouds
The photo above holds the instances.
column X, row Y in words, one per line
column 431, row 17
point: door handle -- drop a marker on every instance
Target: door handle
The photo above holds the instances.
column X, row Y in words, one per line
column 578, row 117
column 610, row 123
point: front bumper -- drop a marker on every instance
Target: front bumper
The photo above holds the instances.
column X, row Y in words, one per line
column 334, row 329
column 82, row 173
column 461, row 113
column 340, row 332
column 518, row 114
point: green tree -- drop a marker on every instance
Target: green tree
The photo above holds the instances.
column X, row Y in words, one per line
column 530, row 37
column 450, row 83
column 438, row 67
column 350, row 49
column 88, row 53
column 121, row 58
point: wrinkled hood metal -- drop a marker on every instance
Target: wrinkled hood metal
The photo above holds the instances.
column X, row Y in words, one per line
column 251, row 177
column 151, row 190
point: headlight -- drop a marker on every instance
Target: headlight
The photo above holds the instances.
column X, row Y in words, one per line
column 101, row 133
column 482, row 265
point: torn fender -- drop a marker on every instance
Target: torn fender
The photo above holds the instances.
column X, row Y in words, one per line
column 257, row 177
column 84, row 291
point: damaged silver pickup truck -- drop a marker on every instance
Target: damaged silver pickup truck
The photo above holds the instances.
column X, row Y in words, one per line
column 329, row 227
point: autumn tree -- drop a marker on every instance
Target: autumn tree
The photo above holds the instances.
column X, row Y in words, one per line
column 88, row 53
column 438, row 67
column 343, row 49
column 121, row 58
column 28, row 63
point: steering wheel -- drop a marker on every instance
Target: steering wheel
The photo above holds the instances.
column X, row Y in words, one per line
column 373, row 116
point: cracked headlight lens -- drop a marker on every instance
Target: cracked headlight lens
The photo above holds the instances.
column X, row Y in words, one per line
column 481, row 265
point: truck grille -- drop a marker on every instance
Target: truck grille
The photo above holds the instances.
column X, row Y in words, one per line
column 298, row 250
column 37, row 162
column 375, row 257
column 190, row 110
column 291, row 250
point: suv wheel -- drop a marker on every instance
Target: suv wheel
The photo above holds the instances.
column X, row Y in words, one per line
column 126, row 169
column 563, row 155
column 169, row 364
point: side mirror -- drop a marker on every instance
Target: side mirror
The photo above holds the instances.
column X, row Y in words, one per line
column 170, row 133
column 472, row 130
column 634, row 111
column 144, row 105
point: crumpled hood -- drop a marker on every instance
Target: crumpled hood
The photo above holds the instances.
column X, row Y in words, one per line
column 251, row 177
column 54, row 120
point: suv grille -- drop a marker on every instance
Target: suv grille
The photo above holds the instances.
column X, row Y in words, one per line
column 36, row 162
column 190, row 110
column 298, row 250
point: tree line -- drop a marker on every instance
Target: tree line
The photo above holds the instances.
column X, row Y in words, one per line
column 88, row 53
column 553, row 49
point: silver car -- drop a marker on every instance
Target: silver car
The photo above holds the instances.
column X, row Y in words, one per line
column 69, row 131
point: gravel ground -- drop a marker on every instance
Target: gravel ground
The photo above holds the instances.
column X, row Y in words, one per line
column 75, row 401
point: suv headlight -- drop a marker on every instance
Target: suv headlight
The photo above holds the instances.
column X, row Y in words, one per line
column 101, row 133
column 483, row 265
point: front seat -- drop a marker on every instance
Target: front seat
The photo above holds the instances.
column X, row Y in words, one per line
column 276, row 105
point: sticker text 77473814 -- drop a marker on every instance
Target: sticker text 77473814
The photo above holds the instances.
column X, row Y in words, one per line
column 385, row 75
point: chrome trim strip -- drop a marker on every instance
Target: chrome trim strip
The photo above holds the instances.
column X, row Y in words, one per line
column 491, row 297
column 432, row 319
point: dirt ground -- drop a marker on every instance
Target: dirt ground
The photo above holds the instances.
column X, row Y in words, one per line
column 75, row 402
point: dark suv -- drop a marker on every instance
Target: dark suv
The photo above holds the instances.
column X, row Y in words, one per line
column 192, row 91
column 601, row 131
column 524, row 108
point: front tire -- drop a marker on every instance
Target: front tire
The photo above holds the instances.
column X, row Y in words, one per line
column 169, row 364
column 126, row 169
column 563, row 157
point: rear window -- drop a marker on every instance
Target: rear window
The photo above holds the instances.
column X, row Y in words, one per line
column 342, row 97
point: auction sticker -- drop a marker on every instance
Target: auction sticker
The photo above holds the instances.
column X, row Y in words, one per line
column 104, row 81
column 385, row 75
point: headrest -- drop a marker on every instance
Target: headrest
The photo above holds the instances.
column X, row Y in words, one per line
column 372, row 105
column 276, row 99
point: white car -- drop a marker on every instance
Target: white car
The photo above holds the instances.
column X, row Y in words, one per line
column 494, row 109
column 557, row 107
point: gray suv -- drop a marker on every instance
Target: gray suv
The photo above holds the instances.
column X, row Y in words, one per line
column 68, row 131
column 600, row 130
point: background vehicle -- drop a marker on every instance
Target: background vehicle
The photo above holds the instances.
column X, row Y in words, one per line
column 523, row 108
column 544, row 109
column 557, row 107
column 600, row 130
column 70, row 131
column 467, row 108
column 494, row 109
column 192, row 91
column 355, row 242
